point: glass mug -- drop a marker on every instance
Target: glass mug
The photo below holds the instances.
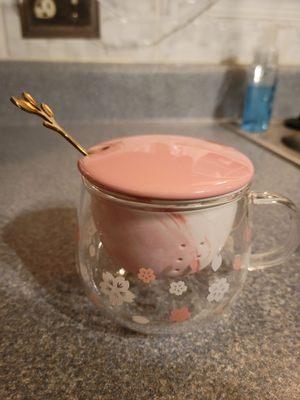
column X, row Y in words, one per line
column 138, row 266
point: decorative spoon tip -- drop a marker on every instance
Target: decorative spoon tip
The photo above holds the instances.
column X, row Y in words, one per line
column 29, row 104
column 14, row 100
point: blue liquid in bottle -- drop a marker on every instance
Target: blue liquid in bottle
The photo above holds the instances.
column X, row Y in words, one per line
column 258, row 107
column 259, row 98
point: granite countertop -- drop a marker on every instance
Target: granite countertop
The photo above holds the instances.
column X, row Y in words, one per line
column 56, row 345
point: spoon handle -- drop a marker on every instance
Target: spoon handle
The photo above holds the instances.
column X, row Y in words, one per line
column 30, row 105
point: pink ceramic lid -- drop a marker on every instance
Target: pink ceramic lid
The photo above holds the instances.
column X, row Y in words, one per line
column 166, row 167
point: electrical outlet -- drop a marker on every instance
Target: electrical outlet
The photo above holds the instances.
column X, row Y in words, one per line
column 60, row 18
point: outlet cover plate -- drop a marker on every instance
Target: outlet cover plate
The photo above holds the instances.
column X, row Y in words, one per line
column 60, row 18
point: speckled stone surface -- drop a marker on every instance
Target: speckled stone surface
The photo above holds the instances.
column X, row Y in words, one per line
column 55, row 344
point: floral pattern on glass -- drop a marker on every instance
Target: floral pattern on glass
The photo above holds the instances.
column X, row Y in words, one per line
column 237, row 263
column 92, row 248
column 180, row 314
column 95, row 299
column 248, row 234
column 117, row 289
column 177, row 288
column 146, row 275
column 140, row 319
column 218, row 289
column 91, row 230
column 216, row 262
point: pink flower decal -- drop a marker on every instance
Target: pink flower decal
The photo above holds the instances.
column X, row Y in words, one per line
column 180, row 314
column 95, row 299
column 146, row 275
column 248, row 234
column 237, row 263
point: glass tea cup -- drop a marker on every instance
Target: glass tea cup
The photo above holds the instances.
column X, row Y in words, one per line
column 163, row 266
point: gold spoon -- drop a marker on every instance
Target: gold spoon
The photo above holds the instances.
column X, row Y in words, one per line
column 29, row 104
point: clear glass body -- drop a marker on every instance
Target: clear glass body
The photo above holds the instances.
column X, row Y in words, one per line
column 165, row 267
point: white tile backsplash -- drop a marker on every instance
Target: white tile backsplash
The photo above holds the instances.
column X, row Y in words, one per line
column 166, row 31
column 214, row 41
column 289, row 45
column 3, row 49
column 129, row 9
column 94, row 50
column 128, row 24
column 267, row 10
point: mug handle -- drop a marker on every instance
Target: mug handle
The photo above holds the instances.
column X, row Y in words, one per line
column 280, row 253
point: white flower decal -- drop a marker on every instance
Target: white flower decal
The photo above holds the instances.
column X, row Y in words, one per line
column 178, row 288
column 92, row 250
column 139, row 319
column 93, row 246
column 91, row 230
column 216, row 262
column 84, row 272
column 117, row 289
column 218, row 289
